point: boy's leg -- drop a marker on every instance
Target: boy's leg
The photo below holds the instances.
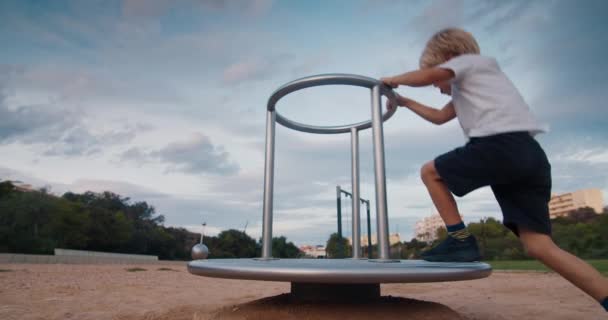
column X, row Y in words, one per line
column 575, row 270
column 480, row 162
column 441, row 196
column 460, row 245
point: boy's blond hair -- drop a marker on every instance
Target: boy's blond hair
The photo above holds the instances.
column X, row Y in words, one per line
column 445, row 44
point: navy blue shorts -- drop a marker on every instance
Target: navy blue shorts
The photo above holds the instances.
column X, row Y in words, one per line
column 516, row 168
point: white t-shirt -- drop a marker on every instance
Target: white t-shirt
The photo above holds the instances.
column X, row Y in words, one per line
column 485, row 100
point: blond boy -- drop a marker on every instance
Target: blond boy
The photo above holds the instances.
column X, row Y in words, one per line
column 501, row 152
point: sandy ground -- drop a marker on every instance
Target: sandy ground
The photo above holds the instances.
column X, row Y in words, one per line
column 29, row 291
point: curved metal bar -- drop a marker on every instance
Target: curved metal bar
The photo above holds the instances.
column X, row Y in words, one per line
column 328, row 79
column 378, row 89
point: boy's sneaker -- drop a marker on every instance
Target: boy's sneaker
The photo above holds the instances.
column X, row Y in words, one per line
column 454, row 250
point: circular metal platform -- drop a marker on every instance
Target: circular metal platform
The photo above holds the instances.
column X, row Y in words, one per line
column 339, row 270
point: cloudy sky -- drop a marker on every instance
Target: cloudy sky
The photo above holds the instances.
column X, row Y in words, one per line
column 164, row 101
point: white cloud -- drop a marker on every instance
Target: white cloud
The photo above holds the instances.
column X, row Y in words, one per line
column 192, row 156
column 250, row 69
column 437, row 15
column 244, row 70
column 590, row 156
column 57, row 131
column 145, row 8
column 122, row 188
column 259, row 7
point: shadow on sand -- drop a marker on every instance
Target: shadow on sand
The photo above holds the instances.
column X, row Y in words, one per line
column 387, row 307
column 284, row 308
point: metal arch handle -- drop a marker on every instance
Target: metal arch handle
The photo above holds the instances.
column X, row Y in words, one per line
column 329, row 79
column 378, row 89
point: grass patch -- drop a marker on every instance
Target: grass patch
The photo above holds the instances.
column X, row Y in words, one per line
column 165, row 269
column 533, row 265
column 135, row 269
column 6, row 270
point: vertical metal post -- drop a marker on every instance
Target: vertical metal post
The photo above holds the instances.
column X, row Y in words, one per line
column 339, row 206
column 369, row 232
column 203, row 232
column 380, row 175
column 356, row 204
column 268, row 186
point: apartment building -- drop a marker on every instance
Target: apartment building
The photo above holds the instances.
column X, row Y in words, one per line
column 317, row 251
column 393, row 238
column 426, row 229
column 562, row 204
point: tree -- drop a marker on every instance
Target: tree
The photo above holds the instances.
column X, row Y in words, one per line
column 179, row 244
column 585, row 240
column 441, row 234
column 6, row 188
column 231, row 244
column 38, row 222
column 495, row 240
column 283, row 249
column 110, row 231
column 69, row 224
column 585, row 214
column 337, row 247
column 412, row 249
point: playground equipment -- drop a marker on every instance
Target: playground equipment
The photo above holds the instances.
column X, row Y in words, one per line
column 339, row 192
column 320, row 279
column 200, row 250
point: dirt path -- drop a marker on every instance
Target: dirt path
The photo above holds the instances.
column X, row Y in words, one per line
column 37, row 291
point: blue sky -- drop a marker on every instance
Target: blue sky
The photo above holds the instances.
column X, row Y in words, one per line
column 164, row 101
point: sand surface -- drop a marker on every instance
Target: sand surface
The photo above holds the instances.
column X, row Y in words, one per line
column 38, row 291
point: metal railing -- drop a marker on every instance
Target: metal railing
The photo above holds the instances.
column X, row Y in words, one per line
column 378, row 89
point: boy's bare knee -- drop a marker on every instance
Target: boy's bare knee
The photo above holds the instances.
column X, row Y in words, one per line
column 428, row 171
column 538, row 247
column 533, row 251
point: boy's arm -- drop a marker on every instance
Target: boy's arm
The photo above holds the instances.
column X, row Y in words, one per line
column 420, row 78
column 433, row 115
